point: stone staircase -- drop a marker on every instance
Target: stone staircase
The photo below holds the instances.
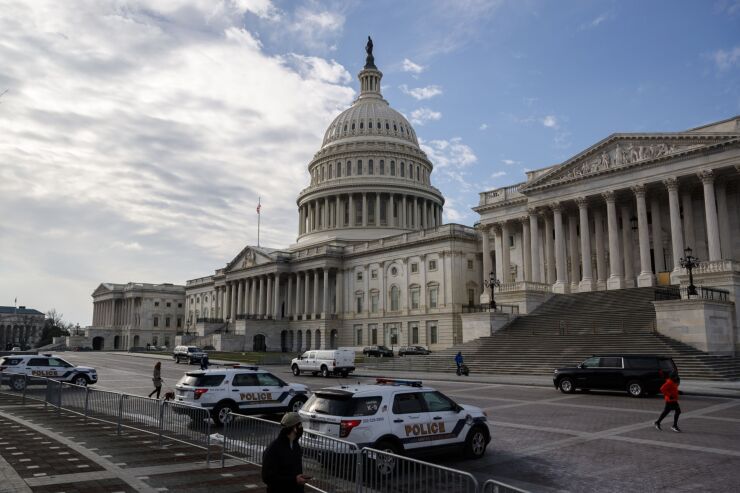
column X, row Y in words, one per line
column 569, row 328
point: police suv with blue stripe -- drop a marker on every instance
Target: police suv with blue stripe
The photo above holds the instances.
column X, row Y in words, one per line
column 18, row 371
column 242, row 389
column 397, row 416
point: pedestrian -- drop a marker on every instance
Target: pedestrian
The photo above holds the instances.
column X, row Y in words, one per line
column 157, row 379
column 670, row 392
column 282, row 461
column 459, row 361
column 204, row 362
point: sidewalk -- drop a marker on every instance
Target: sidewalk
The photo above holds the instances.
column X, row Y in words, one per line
column 46, row 452
column 712, row 388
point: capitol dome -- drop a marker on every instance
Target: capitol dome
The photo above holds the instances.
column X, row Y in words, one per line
column 370, row 179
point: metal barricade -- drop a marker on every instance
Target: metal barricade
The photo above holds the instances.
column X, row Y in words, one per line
column 492, row 486
column 73, row 397
column 141, row 413
column 185, row 423
column 247, row 437
column 103, row 405
column 392, row 473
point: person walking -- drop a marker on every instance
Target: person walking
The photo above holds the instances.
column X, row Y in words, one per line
column 204, row 362
column 282, row 461
column 459, row 362
column 670, row 392
column 157, row 379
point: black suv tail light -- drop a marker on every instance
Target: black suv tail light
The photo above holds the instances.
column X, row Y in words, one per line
column 347, row 425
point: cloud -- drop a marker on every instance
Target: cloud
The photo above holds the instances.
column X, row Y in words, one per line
column 726, row 59
column 550, row 121
column 450, row 153
column 422, row 115
column 421, row 93
column 483, row 126
column 261, row 8
column 498, row 174
column 510, row 162
column 137, row 138
column 594, row 23
column 409, row 66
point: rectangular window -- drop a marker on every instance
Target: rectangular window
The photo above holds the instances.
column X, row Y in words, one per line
column 374, row 274
column 374, row 303
column 156, row 321
column 167, row 321
column 339, row 170
column 432, row 265
column 414, row 332
column 432, row 332
column 470, row 265
column 168, row 304
column 349, row 168
column 393, row 168
column 370, row 169
column 358, row 334
column 394, row 336
column 415, row 299
column 414, row 267
column 511, row 241
column 382, row 167
column 359, row 167
column 179, row 305
column 156, row 303
column 471, row 297
column 359, row 275
column 373, row 328
column 433, row 293
column 403, row 170
column 359, row 304
column 179, row 322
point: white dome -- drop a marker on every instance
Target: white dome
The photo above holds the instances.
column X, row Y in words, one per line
column 369, row 117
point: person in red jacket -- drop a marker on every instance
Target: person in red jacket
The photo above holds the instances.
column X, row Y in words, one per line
column 670, row 391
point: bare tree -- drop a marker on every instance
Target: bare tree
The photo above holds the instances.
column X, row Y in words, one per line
column 55, row 319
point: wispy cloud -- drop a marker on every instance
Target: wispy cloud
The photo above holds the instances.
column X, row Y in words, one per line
column 726, row 59
column 409, row 66
column 421, row 93
column 594, row 23
column 498, row 174
column 452, row 153
column 483, row 126
column 510, row 162
column 550, row 121
column 423, row 115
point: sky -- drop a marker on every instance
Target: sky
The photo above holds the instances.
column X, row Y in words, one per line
column 137, row 136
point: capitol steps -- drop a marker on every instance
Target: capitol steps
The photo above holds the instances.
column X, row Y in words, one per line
column 569, row 328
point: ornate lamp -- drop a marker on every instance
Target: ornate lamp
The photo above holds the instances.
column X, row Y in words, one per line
column 491, row 283
column 688, row 262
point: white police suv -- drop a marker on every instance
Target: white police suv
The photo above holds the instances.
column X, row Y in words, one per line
column 242, row 389
column 17, row 371
column 397, row 416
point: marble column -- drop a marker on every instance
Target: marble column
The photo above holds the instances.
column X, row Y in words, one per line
column 325, row 303
column 657, row 230
column 689, row 234
column 239, row 296
column 277, row 312
column 526, row 250
column 549, row 250
column 574, row 276
column 560, row 285
column 325, row 215
column 627, row 246
column 484, row 231
column 534, row 229
column 646, row 277
column 587, row 278
column 300, row 220
column 316, row 215
column 339, row 291
column 417, row 224
column 316, row 294
column 253, row 308
column 297, row 308
column 389, row 210
column 505, row 275
column 725, row 231
column 307, row 309
column 268, row 298
column 600, row 254
column 404, row 216
column 377, row 210
column 339, row 215
column 498, row 245
column 227, row 301
column 352, row 213
column 289, row 297
column 364, row 211
column 676, row 233
column 246, row 296
column 710, row 210
column 261, row 298
column 616, row 273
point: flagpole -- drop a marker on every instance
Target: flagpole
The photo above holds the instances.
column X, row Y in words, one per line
column 259, row 203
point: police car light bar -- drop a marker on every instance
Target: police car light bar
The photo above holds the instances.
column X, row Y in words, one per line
column 242, row 367
column 396, row 381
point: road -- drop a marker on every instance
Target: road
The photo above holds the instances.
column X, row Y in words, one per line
column 544, row 440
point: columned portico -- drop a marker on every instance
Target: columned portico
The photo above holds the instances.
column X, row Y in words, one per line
column 616, row 277
column 586, row 283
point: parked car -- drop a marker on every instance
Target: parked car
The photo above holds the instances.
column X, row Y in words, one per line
column 329, row 362
column 378, row 351
column 404, row 350
column 638, row 374
column 190, row 354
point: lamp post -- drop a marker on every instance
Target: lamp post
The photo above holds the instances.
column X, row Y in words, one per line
column 491, row 283
column 688, row 262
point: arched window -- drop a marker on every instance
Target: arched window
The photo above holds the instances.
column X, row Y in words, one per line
column 331, row 169
column 362, row 125
column 349, row 168
column 345, row 127
column 321, row 174
column 370, row 124
column 370, row 169
column 395, row 128
column 339, row 170
column 382, row 167
column 411, row 171
column 393, row 168
column 353, row 125
column 359, row 166
column 403, row 170
column 395, row 296
column 387, row 127
column 418, row 175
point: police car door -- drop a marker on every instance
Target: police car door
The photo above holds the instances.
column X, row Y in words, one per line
column 39, row 367
column 246, row 392
column 409, row 421
column 447, row 424
column 271, row 388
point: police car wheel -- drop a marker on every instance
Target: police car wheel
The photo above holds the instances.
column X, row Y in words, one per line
column 80, row 380
column 222, row 413
column 296, row 370
column 385, row 465
column 296, row 404
column 18, row 383
column 475, row 444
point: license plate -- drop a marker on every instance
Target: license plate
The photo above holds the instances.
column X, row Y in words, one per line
column 313, row 425
column 180, row 392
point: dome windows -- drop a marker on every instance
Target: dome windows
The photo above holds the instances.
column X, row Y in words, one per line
column 359, row 166
column 353, row 126
column 387, row 126
column 370, row 167
column 331, row 168
column 395, row 128
column 403, row 170
column 393, row 168
column 339, row 169
column 349, row 168
column 362, row 125
column 345, row 127
column 382, row 167
column 370, row 124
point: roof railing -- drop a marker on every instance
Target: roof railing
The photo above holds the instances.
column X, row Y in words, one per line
column 397, row 381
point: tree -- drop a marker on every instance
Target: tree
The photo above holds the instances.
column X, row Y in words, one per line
column 54, row 326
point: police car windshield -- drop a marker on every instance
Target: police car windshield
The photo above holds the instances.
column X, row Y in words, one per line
column 196, row 380
column 339, row 405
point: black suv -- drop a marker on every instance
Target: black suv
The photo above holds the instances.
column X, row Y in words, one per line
column 638, row 374
column 378, row 351
column 402, row 351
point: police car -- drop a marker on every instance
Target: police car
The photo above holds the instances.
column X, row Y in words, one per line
column 242, row 389
column 17, row 371
column 397, row 416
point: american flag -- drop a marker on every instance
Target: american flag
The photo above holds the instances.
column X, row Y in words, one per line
column 259, row 206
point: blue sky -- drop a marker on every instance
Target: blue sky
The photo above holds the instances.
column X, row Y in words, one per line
column 138, row 134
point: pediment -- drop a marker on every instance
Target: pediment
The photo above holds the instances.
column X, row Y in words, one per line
column 250, row 256
column 624, row 151
column 103, row 288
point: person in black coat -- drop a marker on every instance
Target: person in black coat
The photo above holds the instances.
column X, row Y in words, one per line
column 282, row 461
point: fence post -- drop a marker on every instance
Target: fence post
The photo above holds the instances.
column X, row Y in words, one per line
column 120, row 414
column 87, row 401
column 358, row 471
column 208, row 443
column 25, row 386
column 223, row 448
column 59, row 404
column 161, row 421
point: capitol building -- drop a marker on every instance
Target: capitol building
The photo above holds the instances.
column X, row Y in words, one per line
column 374, row 264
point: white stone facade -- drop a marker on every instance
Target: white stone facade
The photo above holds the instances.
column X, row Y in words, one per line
column 20, row 326
column 136, row 315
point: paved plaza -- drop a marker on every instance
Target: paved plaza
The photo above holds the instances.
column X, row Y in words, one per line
column 542, row 440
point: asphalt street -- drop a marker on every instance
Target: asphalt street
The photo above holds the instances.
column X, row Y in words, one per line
column 544, row 440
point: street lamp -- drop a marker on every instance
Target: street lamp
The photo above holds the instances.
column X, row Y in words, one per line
column 688, row 262
column 491, row 283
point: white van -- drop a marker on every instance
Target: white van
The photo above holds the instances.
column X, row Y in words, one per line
column 327, row 362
